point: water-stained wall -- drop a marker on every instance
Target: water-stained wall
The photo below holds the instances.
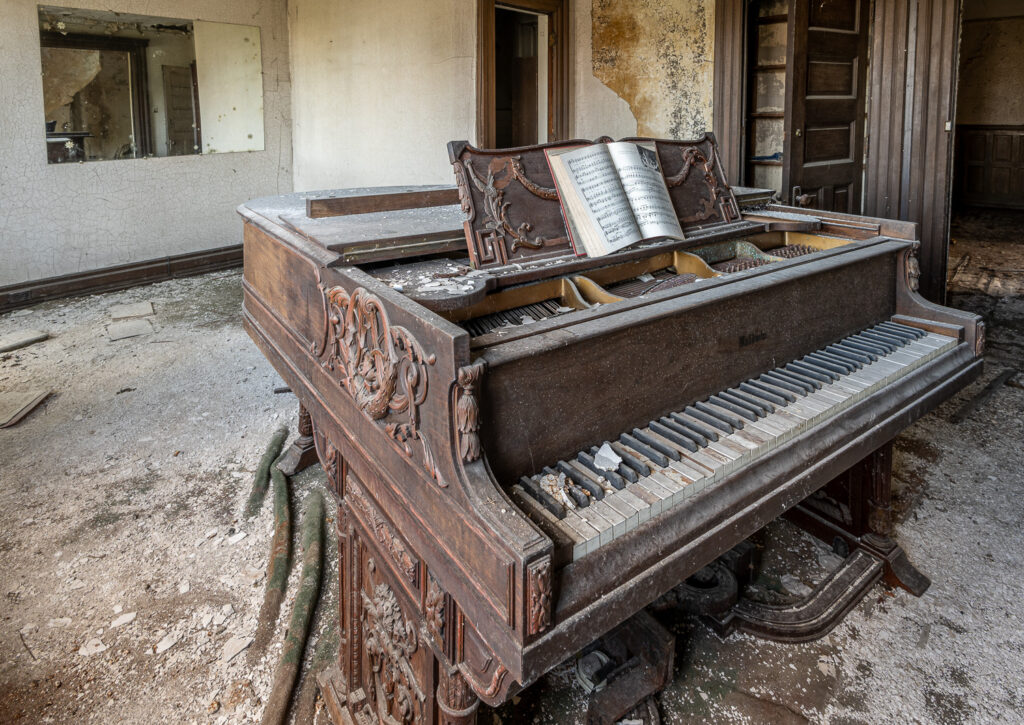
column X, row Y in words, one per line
column 657, row 55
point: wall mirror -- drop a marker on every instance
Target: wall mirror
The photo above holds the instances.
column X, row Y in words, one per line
column 121, row 86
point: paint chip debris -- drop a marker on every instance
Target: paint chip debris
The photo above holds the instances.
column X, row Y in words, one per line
column 93, row 647
column 234, row 646
column 124, row 619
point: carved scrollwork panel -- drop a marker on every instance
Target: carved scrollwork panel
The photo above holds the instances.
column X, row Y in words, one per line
column 435, row 609
column 405, row 561
column 390, row 641
column 491, row 186
column 381, row 365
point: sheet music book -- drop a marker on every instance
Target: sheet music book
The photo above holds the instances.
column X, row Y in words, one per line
column 612, row 195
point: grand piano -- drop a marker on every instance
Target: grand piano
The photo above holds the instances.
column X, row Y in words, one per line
column 528, row 447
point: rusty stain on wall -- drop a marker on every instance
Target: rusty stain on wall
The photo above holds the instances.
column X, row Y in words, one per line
column 657, row 56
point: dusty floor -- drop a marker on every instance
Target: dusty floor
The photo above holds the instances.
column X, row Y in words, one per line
column 122, row 493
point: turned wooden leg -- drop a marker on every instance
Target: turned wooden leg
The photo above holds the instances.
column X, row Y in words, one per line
column 302, row 453
column 455, row 699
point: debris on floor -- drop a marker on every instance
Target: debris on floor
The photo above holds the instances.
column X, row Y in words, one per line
column 133, row 327
column 21, row 338
column 15, row 405
column 131, row 309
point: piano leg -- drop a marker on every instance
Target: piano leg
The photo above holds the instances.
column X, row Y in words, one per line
column 854, row 511
column 302, row 453
column 456, row 701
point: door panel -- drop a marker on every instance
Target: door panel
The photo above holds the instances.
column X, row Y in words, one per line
column 824, row 119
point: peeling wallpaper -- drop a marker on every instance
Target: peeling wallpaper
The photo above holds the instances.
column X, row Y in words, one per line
column 657, row 55
column 65, row 218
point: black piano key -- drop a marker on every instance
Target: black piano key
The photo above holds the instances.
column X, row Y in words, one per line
column 763, row 394
column 887, row 336
column 805, row 385
column 611, row 477
column 839, row 359
column 813, row 383
column 916, row 332
column 720, row 413
column 773, row 389
column 876, row 340
column 869, row 344
column 709, row 419
column 578, row 495
column 747, row 397
column 771, row 379
column 679, row 439
column 683, row 430
column 580, row 480
column 758, row 410
column 870, row 357
column 739, row 410
column 836, row 359
column 906, row 337
column 648, row 439
column 856, row 359
column 893, row 345
column 542, row 497
column 708, row 433
column 870, row 350
column 643, row 449
column 827, row 365
column 632, row 462
column 761, row 390
column 811, row 371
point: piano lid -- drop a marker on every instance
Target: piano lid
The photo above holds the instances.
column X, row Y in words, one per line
column 512, row 210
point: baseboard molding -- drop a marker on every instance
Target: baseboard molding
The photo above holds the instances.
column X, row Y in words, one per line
column 120, row 277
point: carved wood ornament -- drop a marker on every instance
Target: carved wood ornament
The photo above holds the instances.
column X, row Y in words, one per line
column 911, row 267
column 390, row 641
column 467, row 411
column 331, row 461
column 406, row 562
column 498, row 228
column 381, row 365
column 692, row 156
column 539, row 588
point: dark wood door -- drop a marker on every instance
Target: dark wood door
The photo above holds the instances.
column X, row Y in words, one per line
column 824, row 117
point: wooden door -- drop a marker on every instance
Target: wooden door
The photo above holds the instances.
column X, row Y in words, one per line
column 180, row 114
column 824, row 116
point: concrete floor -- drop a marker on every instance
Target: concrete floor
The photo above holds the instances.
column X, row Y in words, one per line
column 123, row 491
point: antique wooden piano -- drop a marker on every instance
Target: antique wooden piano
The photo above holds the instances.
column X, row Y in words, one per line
column 463, row 371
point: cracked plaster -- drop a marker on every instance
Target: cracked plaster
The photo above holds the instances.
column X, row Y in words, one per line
column 60, row 219
column 658, row 57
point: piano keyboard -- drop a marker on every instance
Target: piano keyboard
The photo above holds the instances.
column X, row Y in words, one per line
column 683, row 453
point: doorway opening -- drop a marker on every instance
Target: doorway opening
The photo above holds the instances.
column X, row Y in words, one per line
column 522, row 72
column 520, row 77
column 986, row 253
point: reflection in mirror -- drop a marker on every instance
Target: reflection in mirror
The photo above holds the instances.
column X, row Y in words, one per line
column 119, row 86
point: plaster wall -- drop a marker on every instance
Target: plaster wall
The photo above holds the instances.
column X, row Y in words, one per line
column 64, row 218
column 377, row 94
column 991, row 86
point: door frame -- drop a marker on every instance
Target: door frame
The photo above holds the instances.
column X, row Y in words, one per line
column 559, row 68
column 912, row 85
